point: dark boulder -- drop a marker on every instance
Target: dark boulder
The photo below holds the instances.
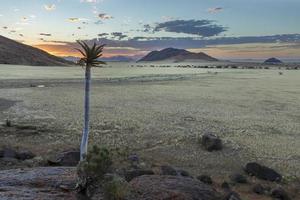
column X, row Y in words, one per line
column 232, row 196
column 205, row 179
column 225, row 185
column 131, row 174
column 25, row 155
column 280, row 193
column 168, row 170
column 238, row 178
column 8, row 153
column 69, row 158
column 258, row 189
column 182, row 172
column 172, row 187
column 211, row 142
column 262, row 172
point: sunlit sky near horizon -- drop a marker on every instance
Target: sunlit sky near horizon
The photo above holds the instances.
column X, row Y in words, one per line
column 222, row 28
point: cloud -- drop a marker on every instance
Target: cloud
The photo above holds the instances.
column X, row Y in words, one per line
column 91, row 1
column 118, row 35
column 76, row 19
column 24, row 19
column 46, row 34
column 104, row 16
column 142, row 45
column 203, row 28
column 214, row 10
column 50, row 7
column 102, row 34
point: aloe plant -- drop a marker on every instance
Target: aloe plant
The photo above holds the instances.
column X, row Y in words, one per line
column 90, row 58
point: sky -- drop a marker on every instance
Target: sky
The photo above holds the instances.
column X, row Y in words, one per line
column 226, row 29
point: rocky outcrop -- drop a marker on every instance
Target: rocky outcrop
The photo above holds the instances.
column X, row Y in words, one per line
column 172, row 187
column 262, row 172
column 9, row 153
column 68, row 158
column 38, row 183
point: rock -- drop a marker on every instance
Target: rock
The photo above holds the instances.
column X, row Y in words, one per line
column 211, row 142
column 232, row 196
column 225, row 185
column 182, row 172
column 131, row 174
column 258, row 189
column 262, row 172
column 168, row 170
column 238, row 178
column 38, row 183
column 9, row 153
column 69, row 158
column 25, row 155
column 205, row 179
column 280, row 193
column 172, row 187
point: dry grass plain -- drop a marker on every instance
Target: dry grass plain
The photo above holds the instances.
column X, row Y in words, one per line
column 160, row 113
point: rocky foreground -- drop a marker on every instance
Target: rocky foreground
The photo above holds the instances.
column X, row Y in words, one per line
column 57, row 180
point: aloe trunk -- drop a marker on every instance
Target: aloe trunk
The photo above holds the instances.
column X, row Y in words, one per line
column 85, row 134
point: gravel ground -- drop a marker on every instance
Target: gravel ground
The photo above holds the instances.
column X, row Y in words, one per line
column 161, row 115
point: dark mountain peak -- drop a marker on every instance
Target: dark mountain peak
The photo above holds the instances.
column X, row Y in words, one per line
column 177, row 55
column 273, row 61
column 12, row 52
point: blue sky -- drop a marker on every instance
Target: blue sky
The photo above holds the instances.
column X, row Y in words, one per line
column 134, row 27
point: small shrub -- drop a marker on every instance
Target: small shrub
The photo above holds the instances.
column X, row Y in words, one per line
column 116, row 189
column 92, row 170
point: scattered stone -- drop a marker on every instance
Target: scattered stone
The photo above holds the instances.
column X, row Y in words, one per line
column 69, row 158
column 258, row 189
column 232, row 196
column 131, row 174
column 225, row 185
column 211, row 142
column 172, row 187
column 168, row 170
column 238, row 178
column 280, row 193
column 262, row 172
column 25, row 155
column 205, row 179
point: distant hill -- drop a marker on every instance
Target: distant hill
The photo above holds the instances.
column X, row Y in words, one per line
column 273, row 61
column 12, row 52
column 105, row 59
column 176, row 55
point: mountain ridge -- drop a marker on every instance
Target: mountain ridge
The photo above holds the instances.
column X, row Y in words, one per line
column 15, row 53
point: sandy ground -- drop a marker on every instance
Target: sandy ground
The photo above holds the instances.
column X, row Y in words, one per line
column 161, row 113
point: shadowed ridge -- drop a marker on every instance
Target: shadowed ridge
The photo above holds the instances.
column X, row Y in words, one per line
column 15, row 53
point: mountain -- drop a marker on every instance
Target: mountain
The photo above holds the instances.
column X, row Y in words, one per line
column 176, row 55
column 105, row 59
column 273, row 61
column 12, row 52
column 117, row 59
